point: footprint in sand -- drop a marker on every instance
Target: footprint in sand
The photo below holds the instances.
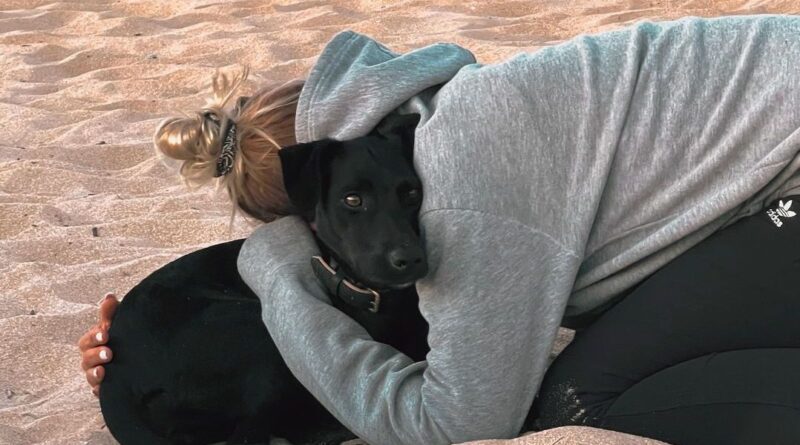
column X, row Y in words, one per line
column 57, row 217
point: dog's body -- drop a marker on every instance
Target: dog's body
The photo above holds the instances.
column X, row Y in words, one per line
column 193, row 362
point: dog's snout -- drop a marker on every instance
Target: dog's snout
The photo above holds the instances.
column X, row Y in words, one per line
column 403, row 258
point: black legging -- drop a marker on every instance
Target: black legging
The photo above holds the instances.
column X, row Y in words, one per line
column 705, row 351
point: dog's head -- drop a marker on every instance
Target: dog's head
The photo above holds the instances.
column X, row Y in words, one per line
column 363, row 198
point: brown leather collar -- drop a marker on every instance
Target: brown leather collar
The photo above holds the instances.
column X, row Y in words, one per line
column 337, row 284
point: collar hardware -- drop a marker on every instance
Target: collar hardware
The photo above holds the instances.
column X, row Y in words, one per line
column 337, row 284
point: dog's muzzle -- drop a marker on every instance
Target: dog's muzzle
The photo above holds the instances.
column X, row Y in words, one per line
column 337, row 284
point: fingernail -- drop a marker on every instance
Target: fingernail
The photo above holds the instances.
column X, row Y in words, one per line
column 104, row 354
column 107, row 295
column 94, row 372
column 99, row 336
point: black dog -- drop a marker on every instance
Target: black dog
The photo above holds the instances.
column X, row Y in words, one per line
column 193, row 362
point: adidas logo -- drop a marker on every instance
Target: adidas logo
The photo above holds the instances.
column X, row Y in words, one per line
column 781, row 212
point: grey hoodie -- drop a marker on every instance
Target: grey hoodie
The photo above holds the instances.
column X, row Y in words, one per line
column 552, row 182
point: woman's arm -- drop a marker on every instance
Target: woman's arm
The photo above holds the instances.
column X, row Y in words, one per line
column 91, row 344
column 492, row 324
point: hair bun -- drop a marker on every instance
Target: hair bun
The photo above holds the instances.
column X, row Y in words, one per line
column 194, row 140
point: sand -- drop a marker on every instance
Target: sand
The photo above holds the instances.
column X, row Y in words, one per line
column 86, row 208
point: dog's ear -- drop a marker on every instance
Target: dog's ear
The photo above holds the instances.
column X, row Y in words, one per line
column 406, row 128
column 402, row 125
column 302, row 175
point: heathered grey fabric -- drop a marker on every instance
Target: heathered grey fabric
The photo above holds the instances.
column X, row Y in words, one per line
column 552, row 182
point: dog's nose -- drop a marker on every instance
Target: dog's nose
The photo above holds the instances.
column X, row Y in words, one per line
column 403, row 257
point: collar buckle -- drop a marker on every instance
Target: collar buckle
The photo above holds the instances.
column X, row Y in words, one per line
column 336, row 283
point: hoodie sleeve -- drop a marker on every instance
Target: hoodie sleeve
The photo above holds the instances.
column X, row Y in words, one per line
column 492, row 324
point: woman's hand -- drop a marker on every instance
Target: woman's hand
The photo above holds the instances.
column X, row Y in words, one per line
column 93, row 353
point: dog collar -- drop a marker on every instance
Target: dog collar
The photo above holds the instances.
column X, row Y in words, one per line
column 336, row 283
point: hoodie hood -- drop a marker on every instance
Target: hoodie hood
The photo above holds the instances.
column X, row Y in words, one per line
column 357, row 81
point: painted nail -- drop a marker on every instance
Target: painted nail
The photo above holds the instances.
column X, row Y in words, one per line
column 104, row 354
column 99, row 336
column 94, row 372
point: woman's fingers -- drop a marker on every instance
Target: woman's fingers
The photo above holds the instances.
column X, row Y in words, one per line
column 93, row 353
column 92, row 338
column 108, row 305
column 95, row 356
column 95, row 376
column 98, row 335
column 90, row 362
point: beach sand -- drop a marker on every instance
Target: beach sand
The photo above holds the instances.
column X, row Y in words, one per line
column 86, row 208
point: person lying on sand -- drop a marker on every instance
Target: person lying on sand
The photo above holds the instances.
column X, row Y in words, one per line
column 636, row 185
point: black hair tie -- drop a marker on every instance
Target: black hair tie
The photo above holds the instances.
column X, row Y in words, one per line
column 228, row 152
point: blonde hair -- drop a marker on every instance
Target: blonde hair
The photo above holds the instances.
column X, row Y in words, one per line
column 264, row 124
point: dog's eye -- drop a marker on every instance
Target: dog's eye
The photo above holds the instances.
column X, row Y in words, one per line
column 352, row 200
column 414, row 196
